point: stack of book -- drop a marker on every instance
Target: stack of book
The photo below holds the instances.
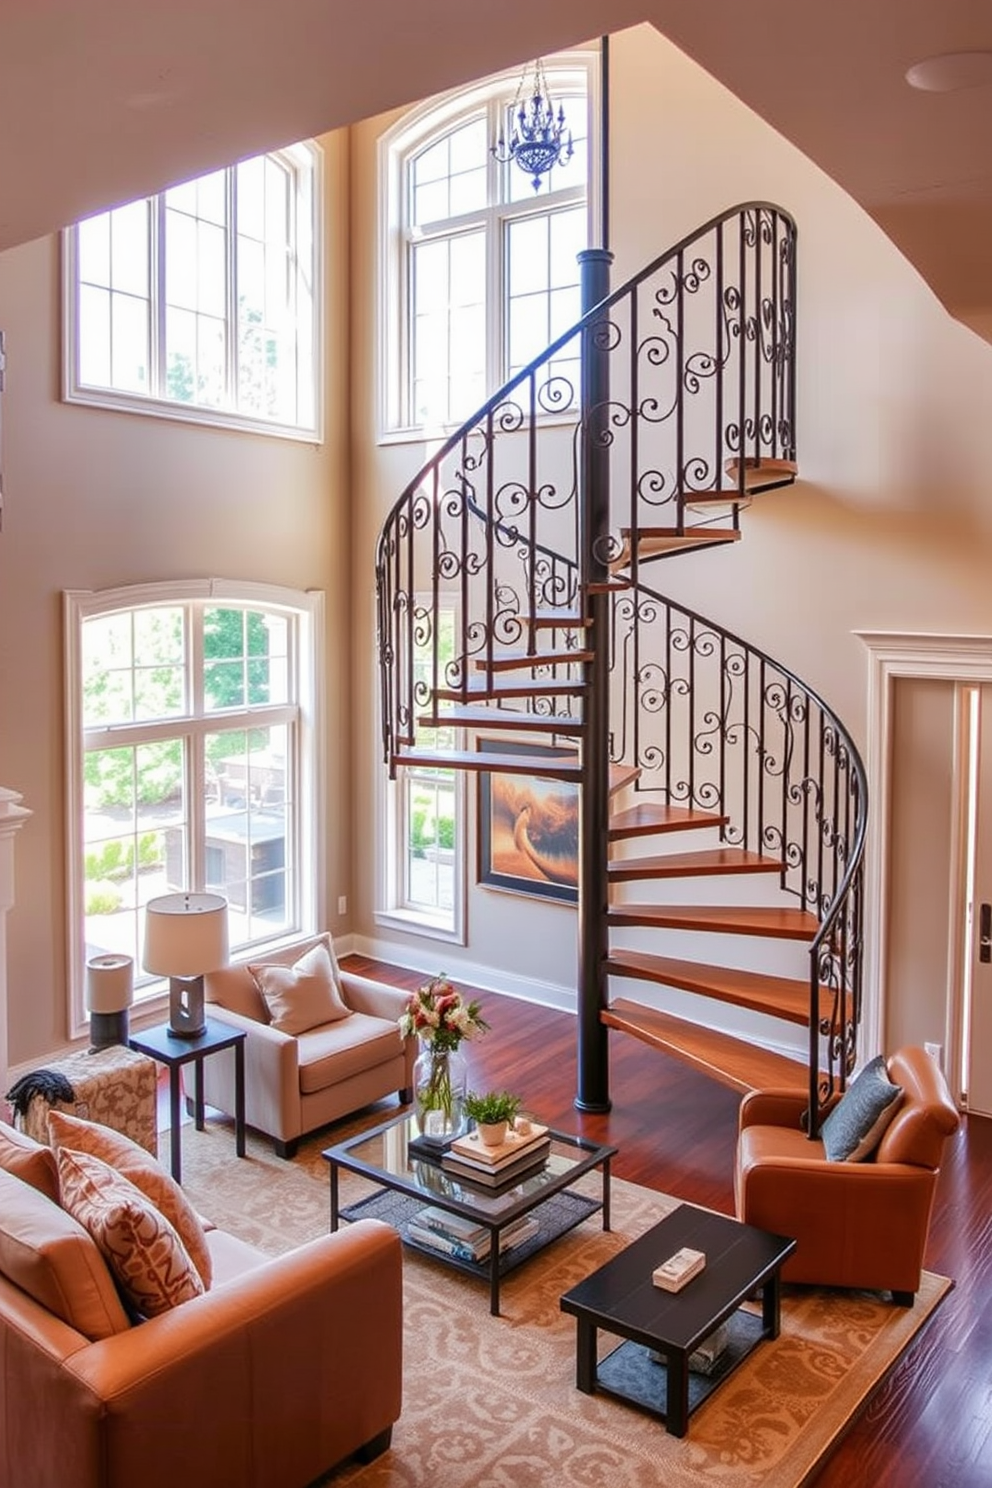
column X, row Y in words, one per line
column 516, row 1156
column 450, row 1234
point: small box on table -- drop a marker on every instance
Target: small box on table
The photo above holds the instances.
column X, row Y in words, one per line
column 675, row 1273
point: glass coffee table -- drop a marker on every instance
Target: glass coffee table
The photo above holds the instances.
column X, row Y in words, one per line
column 409, row 1183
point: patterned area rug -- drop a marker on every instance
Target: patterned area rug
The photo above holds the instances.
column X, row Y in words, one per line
column 491, row 1402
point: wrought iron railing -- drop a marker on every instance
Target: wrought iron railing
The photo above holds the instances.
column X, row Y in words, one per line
column 714, row 723
column 701, row 378
column 491, row 548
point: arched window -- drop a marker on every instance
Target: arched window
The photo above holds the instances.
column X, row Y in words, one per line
column 480, row 267
column 192, row 748
column 201, row 303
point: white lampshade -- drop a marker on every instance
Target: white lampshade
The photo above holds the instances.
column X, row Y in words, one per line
column 109, row 983
column 185, row 934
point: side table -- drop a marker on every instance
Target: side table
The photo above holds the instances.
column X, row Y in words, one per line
column 662, row 1329
column 161, row 1044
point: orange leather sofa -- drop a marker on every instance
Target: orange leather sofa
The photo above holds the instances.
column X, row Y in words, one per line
column 858, row 1224
column 283, row 1368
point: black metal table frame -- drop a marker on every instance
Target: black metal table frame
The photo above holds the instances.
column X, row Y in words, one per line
column 175, row 1052
column 597, row 1157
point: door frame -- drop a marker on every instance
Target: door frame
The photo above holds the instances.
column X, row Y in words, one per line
column 960, row 659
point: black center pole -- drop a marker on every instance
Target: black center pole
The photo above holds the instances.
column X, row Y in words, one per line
column 593, row 1092
column 594, row 511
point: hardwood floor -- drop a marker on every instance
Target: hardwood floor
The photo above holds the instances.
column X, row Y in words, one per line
column 929, row 1425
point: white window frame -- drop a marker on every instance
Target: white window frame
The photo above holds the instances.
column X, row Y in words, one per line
column 306, row 609
column 306, row 157
column 397, row 910
column 567, row 74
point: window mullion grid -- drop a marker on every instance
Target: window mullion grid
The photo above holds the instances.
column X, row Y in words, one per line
column 291, row 270
column 159, row 348
column 194, row 754
column 497, row 285
column 232, row 388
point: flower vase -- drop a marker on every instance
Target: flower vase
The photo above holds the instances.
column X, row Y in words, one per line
column 440, row 1083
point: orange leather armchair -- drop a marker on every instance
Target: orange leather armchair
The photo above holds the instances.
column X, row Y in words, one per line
column 858, row 1224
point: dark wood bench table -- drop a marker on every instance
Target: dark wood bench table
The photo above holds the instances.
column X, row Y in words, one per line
column 663, row 1329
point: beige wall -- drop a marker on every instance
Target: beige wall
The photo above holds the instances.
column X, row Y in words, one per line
column 890, row 526
column 95, row 499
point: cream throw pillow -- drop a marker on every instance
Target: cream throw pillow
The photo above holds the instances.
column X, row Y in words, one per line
column 149, row 1261
column 303, row 995
column 126, row 1157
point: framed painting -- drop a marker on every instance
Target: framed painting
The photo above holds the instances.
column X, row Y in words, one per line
column 528, row 828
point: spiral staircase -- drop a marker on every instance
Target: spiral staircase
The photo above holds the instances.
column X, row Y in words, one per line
column 722, row 805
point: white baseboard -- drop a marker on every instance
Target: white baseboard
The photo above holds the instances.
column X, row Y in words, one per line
column 486, row 978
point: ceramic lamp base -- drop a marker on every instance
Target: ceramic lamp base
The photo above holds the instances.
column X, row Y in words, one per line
column 107, row 1029
column 186, row 1016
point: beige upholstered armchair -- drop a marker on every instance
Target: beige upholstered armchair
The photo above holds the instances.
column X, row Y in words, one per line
column 858, row 1223
column 313, row 1052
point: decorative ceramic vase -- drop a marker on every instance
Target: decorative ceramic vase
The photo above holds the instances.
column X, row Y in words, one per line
column 492, row 1133
column 440, row 1083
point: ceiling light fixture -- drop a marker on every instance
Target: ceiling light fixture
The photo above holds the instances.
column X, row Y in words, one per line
column 538, row 137
column 951, row 72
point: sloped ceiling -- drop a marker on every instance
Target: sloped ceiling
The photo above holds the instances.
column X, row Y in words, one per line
column 103, row 100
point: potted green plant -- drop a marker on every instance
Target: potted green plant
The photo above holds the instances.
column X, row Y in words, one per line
column 492, row 1112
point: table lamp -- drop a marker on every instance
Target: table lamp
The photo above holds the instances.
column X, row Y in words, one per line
column 185, row 936
column 109, row 994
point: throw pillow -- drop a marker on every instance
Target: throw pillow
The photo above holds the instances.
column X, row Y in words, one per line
column 856, row 1124
column 29, row 1160
column 126, row 1157
column 303, row 995
column 50, row 1256
column 147, row 1258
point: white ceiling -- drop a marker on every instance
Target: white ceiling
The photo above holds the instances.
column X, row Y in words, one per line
column 103, row 100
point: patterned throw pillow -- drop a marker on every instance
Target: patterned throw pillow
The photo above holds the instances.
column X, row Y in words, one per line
column 303, row 995
column 148, row 1260
column 126, row 1157
column 857, row 1123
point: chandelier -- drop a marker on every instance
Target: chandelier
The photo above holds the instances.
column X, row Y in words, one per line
column 538, row 136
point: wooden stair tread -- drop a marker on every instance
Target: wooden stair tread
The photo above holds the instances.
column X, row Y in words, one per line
column 511, row 661
column 779, row 924
column 726, row 496
column 779, row 997
column 656, row 816
column 658, row 542
column 621, row 776
column 571, row 619
column 506, row 718
column 717, row 860
column 510, row 687
column 742, row 1065
column 762, row 474
column 567, row 767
